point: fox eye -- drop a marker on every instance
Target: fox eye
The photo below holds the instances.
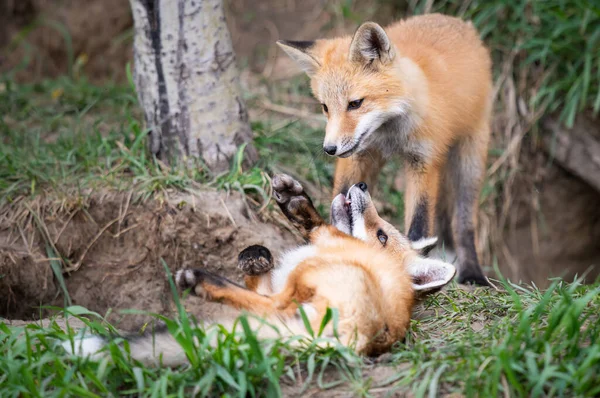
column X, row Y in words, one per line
column 325, row 109
column 355, row 104
column 382, row 237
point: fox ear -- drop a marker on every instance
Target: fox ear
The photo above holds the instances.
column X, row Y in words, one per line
column 370, row 43
column 299, row 51
column 424, row 245
column 429, row 274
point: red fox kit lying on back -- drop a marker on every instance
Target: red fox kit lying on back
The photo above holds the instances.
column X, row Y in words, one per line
column 360, row 265
column 420, row 88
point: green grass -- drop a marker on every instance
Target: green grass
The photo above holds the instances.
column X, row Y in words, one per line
column 518, row 342
column 551, row 47
column 67, row 134
column 535, row 343
column 63, row 134
column 521, row 342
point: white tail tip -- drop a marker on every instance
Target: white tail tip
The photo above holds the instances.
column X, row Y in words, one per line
column 85, row 346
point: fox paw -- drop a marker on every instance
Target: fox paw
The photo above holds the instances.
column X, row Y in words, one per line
column 291, row 198
column 255, row 260
column 473, row 278
column 285, row 188
column 188, row 278
column 295, row 204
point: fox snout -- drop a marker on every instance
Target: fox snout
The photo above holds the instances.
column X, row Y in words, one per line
column 330, row 149
column 339, row 135
column 346, row 209
column 358, row 198
column 345, row 148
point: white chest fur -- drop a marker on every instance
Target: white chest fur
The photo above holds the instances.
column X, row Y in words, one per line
column 289, row 262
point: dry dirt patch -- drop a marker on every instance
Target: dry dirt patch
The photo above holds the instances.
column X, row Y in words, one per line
column 113, row 243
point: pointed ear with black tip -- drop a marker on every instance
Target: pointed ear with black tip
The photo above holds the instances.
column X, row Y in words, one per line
column 369, row 44
column 424, row 245
column 429, row 275
column 299, row 51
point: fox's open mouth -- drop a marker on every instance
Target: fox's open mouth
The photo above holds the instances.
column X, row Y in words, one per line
column 341, row 213
column 348, row 209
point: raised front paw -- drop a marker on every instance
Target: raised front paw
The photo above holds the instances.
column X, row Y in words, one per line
column 295, row 204
column 255, row 260
column 285, row 188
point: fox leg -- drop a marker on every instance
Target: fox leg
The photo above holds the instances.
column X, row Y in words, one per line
column 217, row 288
column 465, row 172
column 257, row 263
column 358, row 168
column 296, row 205
column 420, row 200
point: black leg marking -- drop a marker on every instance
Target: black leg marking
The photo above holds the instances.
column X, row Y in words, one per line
column 470, row 271
column 443, row 222
column 420, row 220
column 189, row 278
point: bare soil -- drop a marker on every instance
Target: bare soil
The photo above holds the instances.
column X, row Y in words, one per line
column 45, row 38
column 114, row 243
column 554, row 226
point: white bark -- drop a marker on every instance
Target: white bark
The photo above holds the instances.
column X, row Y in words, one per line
column 187, row 81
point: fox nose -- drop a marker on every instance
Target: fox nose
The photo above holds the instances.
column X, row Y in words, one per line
column 330, row 149
column 362, row 186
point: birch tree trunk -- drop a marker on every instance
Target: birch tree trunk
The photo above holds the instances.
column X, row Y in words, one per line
column 187, row 82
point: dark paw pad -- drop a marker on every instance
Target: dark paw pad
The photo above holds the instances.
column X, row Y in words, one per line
column 285, row 188
column 255, row 260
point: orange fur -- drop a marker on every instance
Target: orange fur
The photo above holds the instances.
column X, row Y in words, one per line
column 252, row 282
column 426, row 88
column 450, row 95
column 369, row 278
column 369, row 287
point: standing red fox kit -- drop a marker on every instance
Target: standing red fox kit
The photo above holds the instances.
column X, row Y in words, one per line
column 420, row 88
column 359, row 265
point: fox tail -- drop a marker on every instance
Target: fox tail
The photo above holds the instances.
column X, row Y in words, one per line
column 160, row 347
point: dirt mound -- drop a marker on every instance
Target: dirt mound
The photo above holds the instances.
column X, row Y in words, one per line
column 113, row 244
column 554, row 225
